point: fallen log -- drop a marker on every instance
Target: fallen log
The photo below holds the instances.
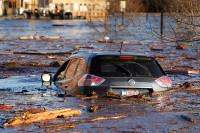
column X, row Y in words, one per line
column 62, row 25
column 154, row 102
column 77, row 47
column 187, row 86
column 26, row 37
column 31, row 118
column 176, row 102
column 187, row 118
column 156, row 49
column 186, row 72
column 105, row 41
column 53, row 37
column 2, row 39
column 182, row 129
column 36, row 37
column 63, row 125
column 39, row 37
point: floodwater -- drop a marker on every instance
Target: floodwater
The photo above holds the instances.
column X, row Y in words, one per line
column 22, row 64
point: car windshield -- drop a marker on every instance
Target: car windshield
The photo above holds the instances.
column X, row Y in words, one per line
column 120, row 67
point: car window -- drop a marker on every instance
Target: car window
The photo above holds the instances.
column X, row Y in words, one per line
column 80, row 68
column 59, row 74
column 107, row 67
column 117, row 67
column 71, row 69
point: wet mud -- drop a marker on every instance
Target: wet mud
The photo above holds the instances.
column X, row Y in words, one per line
column 23, row 61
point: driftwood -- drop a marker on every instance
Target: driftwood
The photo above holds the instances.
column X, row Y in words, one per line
column 39, row 37
column 176, row 102
column 26, row 37
column 187, row 86
column 182, row 71
column 187, row 118
column 105, row 41
column 50, row 37
column 182, row 129
column 30, row 118
column 53, row 37
column 156, row 49
column 64, row 126
column 2, row 39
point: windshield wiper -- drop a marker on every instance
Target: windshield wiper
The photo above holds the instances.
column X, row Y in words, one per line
column 122, row 69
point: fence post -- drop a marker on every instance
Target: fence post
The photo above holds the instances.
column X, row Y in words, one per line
column 161, row 19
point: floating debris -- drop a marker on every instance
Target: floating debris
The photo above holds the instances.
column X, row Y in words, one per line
column 30, row 118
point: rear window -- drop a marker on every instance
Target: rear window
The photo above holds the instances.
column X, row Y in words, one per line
column 120, row 67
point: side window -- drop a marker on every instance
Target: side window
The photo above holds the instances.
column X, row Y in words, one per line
column 81, row 67
column 70, row 71
column 60, row 72
column 71, row 68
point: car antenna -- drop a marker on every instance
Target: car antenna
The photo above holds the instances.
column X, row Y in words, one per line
column 121, row 47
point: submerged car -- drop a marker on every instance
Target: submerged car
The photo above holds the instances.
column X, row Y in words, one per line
column 125, row 74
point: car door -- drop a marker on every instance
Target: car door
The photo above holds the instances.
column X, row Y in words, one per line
column 67, row 78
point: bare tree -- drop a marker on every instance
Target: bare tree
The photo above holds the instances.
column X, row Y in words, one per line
column 181, row 21
column 181, row 18
column 185, row 14
column 115, row 19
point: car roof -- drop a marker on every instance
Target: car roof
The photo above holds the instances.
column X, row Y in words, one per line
column 94, row 54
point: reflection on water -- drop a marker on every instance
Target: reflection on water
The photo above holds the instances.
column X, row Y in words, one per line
column 70, row 29
column 15, row 28
column 163, row 99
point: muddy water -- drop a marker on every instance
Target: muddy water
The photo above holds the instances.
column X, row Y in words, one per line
column 21, row 66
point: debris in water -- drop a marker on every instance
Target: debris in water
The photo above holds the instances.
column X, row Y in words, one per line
column 5, row 107
column 105, row 40
column 156, row 49
column 31, row 110
column 25, row 37
column 38, row 117
column 39, row 37
column 187, row 118
column 92, row 108
column 181, row 46
column 187, row 84
column 2, row 39
column 62, row 126
column 54, row 64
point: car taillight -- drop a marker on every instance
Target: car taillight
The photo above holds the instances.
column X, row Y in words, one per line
column 164, row 81
column 126, row 56
column 90, row 80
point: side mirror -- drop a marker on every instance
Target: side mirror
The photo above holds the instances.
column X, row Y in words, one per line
column 46, row 79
